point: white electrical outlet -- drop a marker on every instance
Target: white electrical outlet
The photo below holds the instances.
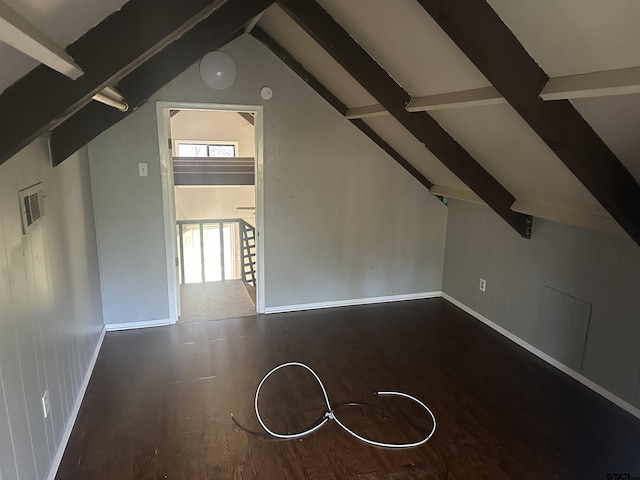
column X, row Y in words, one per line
column 46, row 407
column 143, row 170
column 483, row 285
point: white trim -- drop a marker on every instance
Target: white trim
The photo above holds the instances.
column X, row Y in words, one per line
column 465, row 98
column 375, row 110
column 569, row 217
column 565, row 216
column 253, row 22
column 352, row 302
column 18, row 32
column 593, row 84
column 178, row 141
column 168, row 209
column 166, row 171
column 457, row 193
column 258, row 132
column 113, row 327
column 53, row 470
column 550, row 360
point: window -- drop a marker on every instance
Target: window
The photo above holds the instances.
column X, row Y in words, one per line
column 186, row 148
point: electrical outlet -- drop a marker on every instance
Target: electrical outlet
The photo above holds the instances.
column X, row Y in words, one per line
column 483, row 285
column 46, row 407
column 143, row 170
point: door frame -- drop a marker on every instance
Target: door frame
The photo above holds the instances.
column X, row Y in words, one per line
column 168, row 197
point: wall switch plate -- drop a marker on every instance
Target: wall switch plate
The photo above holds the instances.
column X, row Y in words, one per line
column 483, row 285
column 143, row 170
column 46, row 407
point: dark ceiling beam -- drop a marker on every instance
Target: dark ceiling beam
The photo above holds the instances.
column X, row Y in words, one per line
column 40, row 100
column 212, row 33
column 330, row 98
column 248, row 117
column 480, row 33
column 364, row 69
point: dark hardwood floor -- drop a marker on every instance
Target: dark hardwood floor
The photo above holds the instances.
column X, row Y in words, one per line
column 159, row 400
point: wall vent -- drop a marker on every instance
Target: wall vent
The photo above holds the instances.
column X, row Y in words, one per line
column 31, row 205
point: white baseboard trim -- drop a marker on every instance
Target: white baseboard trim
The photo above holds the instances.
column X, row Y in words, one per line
column 163, row 322
column 550, row 360
column 352, row 302
column 76, row 409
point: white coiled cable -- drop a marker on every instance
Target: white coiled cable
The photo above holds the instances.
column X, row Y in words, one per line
column 329, row 415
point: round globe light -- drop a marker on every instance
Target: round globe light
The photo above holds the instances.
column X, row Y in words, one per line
column 217, row 70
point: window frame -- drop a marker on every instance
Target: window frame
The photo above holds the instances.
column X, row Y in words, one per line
column 176, row 144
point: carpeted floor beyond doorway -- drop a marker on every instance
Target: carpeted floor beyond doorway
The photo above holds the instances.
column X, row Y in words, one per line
column 215, row 301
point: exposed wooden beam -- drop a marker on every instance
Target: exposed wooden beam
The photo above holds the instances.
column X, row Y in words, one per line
column 377, row 139
column 248, row 117
column 457, row 193
column 462, row 99
column 565, row 216
column 569, row 217
column 367, row 111
column 89, row 122
column 496, row 52
column 339, row 44
column 595, row 84
column 297, row 68
column 106, row 53
column 253, row 22
column 430, row 103
column 18, row 32
column 330, row 98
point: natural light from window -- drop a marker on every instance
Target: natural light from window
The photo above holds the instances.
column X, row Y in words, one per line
column 212, row 267
column 187, row 149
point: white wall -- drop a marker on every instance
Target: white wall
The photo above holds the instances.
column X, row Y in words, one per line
column 129, row 221
column 201, row 125
column 50, row 308
column 207, row 202
column 342, row 219
column 598, row 269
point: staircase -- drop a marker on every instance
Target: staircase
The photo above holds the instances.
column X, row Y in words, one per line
column 214, row 253
column 248, row 245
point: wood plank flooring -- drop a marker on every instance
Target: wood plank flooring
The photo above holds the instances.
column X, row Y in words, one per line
column 158, row 403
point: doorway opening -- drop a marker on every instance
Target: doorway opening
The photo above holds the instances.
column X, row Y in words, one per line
column 213, row 187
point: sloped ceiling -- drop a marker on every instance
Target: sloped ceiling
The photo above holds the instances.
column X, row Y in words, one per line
column 63, row 21
column 565, row 37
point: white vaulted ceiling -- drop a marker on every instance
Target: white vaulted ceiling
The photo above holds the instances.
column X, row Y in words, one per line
column 564, row 38
column 63, row 21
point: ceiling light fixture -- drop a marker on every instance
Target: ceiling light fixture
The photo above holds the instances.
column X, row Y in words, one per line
column 217, row 70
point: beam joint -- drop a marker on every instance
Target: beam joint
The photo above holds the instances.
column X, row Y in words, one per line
column 314, row 20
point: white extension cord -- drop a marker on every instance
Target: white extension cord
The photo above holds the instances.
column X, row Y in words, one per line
column 330, row 415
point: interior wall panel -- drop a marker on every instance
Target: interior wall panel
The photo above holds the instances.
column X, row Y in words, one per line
column 599, row 270
column 563, row 327
column 10, row 349
column 8, row 466
column 49, row 305
column 338, row 210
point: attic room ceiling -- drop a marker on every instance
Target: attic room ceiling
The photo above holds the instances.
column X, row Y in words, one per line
column 412, row 48
column 63, row 21
column 427, row 61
